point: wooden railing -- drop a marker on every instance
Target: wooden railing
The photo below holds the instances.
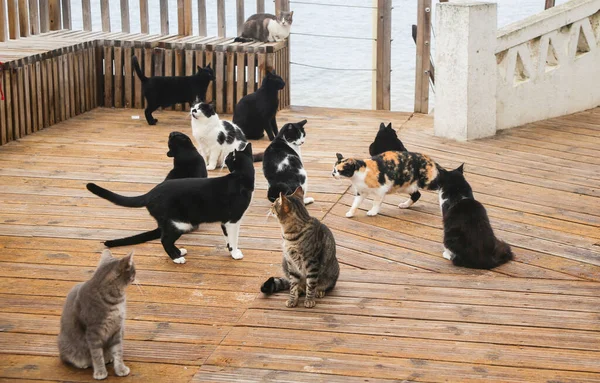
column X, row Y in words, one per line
column 22, row 18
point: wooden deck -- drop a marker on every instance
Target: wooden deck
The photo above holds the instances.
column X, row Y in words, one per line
column 400, row 311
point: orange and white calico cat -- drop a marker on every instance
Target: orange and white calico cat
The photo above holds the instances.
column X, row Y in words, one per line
column 386, row 173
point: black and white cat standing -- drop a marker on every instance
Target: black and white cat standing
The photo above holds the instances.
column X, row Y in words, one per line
column 282, row 162
column 180, row 205
column 255, row 113
column 216, row 138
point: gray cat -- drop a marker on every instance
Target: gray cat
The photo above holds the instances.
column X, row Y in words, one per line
column 309, row 261
column 266, row 27
column 92, row 322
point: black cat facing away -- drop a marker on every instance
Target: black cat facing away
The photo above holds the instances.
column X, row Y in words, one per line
column 187, row 163
column 386, row 140
column 164, row 91
column 255, row 113
column 469, row 239
column 180, row 205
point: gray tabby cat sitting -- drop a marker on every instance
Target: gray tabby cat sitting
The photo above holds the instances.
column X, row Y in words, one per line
column 309, row 261
column 266, row 28
column 93, row 318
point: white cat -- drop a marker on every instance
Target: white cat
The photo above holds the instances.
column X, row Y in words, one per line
column 217, row 138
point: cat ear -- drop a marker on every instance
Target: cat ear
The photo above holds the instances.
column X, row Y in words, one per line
column 461, row 168
column 299, row 192
column 291, row 13
column 127, row 262
column 302, row 123
column 381, row 126
column 207, row 67
column 106, row 256
column 285, row 204
column 389, row 126
column 339, row 156
column 248, row 149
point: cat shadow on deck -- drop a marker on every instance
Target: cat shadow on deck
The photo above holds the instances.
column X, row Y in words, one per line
column 165, row 91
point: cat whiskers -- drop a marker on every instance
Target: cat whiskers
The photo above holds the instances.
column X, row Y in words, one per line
column 139, row 287
column 269, row 215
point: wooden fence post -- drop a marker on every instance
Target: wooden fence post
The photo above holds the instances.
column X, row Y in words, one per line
column 282, row 5
column 202, row 18
column 86, row 14
column 23, row 18
column 184, row 17
column 240, row 17
column 3, row 25
column 260, row 6
column 144, row 16
column 221, row 27
column 66, row 14
column 125, row 22
column 549, row 4
column 105, row 15
column 423, row 56
column 13, row 19
column 383, row 57
column 54, row 10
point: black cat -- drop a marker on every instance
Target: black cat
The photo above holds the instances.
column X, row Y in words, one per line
column 187, row 163
column 386, row 140
column 282, row 162
column 164, row 91
column 255, row 113
column 469, row 240
column 180, row 205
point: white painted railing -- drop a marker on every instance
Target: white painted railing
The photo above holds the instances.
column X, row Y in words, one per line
column 547, row 65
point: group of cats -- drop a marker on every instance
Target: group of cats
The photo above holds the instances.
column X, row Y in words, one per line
column 92, row 323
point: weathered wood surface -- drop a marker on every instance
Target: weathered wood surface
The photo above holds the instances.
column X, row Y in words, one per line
column 399, row 312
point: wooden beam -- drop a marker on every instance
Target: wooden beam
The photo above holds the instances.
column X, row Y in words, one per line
column 4, row 36
column 66, row 14
column 423, row 56
column 86, row 13
column 431, row 67
column 144, row 16
column 105, row 14
column 23, row 18
column 184, row 17
column 44, row 17
column 125, row 21
column 260, row 6
column 221, row 27
column 202, row 18
column 384, row 57
column 164, row 17
column 13, row 19
column 54, row 14
column 549, row 4
column 239, row 12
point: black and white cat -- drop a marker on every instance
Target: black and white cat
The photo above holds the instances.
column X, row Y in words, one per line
column 217, row 138
column 180, row 205
column 386, row 140
column 187, row 163
column 163, row 91
column 255, row 113
column 282, row 162
column 265, row 27
column 469, row 239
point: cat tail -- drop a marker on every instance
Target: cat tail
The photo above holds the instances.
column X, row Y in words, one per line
column 135, row 239
column 117, row 199
column 502, row 253
column 276, row 188
column 274, row 285
column 258, row 157
column 138, row 70
column 241, row 39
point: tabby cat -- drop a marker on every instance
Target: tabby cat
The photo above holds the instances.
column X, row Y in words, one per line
column 265, row 27
column 469, row 239
column 385, row 173
column 309, row 261
column 93, row 319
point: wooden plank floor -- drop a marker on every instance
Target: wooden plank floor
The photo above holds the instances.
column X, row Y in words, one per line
column 400, row 311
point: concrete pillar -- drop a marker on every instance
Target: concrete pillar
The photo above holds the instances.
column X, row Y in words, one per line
column 465, row 70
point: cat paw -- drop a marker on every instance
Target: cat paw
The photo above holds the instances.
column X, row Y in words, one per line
column 100, row 374
column 152, row 122
column 372, row 213
column 211, row 167
column 180, row 260
column 405, row 204
column 320, row 294
column 237, row 254
column 183, row 251
column 291, row 303
column 122, row 370
column 448, row 255
column 309, row 200
column 309, row 304
column 350, row 214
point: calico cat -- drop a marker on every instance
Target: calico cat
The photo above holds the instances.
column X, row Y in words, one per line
column 93, row 318
column 187, row 163
column 169, row 90
column 282, row 162
column 385, row 173
column 469, row 239
column 309, row 261
column 180, row 205
column 386, row 140
column 265, row 27
column 217, row 138
column 255, row 113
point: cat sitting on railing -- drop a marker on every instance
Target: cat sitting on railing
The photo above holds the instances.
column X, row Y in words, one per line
column 266, row 27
